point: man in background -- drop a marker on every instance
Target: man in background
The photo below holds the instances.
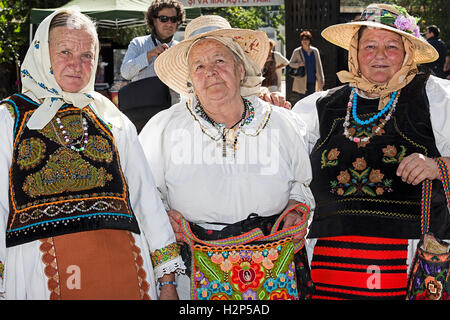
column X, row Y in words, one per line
column 163, row 17
column 432, row 36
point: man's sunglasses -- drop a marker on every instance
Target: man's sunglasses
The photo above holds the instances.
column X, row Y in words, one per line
column 164, row 19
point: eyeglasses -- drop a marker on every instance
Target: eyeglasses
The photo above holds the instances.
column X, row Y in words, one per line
column 164, row 19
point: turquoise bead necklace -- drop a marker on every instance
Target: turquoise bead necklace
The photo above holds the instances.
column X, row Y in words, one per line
column 375, row 117
column 351, row 109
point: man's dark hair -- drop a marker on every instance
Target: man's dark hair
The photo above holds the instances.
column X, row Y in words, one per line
column 158, row 5
column 434, row 29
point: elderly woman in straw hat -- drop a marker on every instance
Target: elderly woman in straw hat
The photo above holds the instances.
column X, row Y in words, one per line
column 79, row 209
column 224, row 156
column 372, row 142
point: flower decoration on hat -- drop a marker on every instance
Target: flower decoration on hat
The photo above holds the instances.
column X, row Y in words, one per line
column 402, row 21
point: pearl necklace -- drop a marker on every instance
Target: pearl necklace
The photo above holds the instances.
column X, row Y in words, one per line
column 351, row 109
column 82, row 141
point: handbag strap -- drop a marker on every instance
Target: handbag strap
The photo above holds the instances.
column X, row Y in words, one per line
column 255, row 234
column 426, row 195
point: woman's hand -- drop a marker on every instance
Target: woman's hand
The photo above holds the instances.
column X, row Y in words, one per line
column 168, row 291
column 275, row 98
column 416, row 167
column 174, row 218
column 321, row 85
column 293, row 218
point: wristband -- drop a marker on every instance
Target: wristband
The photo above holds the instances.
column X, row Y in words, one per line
column 164, row 283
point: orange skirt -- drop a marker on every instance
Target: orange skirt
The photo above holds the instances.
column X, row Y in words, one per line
column 94, row 265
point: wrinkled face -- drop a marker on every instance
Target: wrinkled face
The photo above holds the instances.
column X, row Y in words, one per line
column 167, row 29
column 380, row 54
column 72, row 56
column 214, row 72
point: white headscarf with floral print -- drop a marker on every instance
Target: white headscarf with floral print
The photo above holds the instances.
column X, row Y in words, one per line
column 37, row 77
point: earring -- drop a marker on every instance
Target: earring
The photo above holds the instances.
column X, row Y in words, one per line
column 190, row 87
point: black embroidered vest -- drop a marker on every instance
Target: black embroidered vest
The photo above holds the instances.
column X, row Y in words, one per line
column 356, row 187
column 55, row 190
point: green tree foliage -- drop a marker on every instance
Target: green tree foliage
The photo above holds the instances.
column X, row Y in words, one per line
column 123, row 36
column 11, row 32
column 15, row 25
column 14, row 37
column 431, row 12
column 251, row 17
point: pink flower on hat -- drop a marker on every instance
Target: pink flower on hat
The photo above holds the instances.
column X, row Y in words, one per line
column 407, row 24
column 403, row 23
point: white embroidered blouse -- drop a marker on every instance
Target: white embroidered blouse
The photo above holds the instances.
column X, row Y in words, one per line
column 269, row 166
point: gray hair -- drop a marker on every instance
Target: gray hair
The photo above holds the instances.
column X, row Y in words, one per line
column 74, row 19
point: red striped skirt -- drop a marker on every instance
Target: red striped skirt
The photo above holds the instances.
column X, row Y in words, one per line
column 355, row 267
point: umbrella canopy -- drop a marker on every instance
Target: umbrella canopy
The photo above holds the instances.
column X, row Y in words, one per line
column 107, row 13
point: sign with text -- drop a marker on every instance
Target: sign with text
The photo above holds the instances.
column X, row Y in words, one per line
column 230, row 3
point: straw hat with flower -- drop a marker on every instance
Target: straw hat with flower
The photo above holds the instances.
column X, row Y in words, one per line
column 390, row 17
column 383, row 17
column 172, row 65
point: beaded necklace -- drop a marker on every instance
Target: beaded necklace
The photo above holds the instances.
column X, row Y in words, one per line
column 82, row 141
column 351, row 109
column 248, row 107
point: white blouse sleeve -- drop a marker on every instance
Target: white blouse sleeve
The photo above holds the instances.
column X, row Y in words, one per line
column 300, row 165
column 307, row 110
column 6, row 147
column 151, row 139
column 438, row 93
column 146, row 203
column 135, row 59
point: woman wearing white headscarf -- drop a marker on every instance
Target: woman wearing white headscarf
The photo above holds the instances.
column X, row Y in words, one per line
column 80, row 217
column 224, row 155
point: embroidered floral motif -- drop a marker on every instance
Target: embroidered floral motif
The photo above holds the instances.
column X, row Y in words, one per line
column 26, row 73
column 430, row 282
column 361, row 180
column 360, row 131
column 98, row 149
column 247, row 275
column 248, row 272
column 65, row 171
column 329, row 159
column 2, row 270
column 162, row 255
column 390, row 154
column 30, row 153
column 10, row 108
column 71, row 123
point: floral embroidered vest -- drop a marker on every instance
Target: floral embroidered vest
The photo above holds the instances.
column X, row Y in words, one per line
column 356, row 188
column 55, row 190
